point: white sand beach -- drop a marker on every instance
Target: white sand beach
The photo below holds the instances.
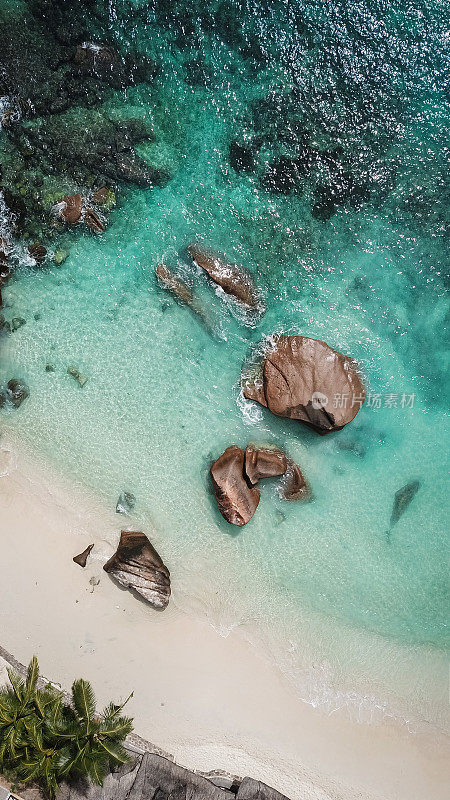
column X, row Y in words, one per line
column 212, row 702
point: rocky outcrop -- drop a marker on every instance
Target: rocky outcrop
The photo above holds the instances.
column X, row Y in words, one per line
column 136, row 565
column 306, row 380
column 82, row 558
column 256, row 790
column 104, row 197
column 153, row 777
column 237, row 499
column 264, row 462
column 148, row 777
column 158, row 777
column 233, row 279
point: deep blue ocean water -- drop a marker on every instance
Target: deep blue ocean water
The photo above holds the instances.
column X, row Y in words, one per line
column 363, row 82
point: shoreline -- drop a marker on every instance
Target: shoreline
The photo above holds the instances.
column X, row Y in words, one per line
column 212, row 702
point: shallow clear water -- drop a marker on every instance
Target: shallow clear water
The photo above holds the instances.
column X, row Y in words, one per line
column 351, row 610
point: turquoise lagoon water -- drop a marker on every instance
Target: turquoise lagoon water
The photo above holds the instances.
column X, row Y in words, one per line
column 354, row 617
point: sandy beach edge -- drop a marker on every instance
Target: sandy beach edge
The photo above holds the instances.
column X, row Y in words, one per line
column 212, row 703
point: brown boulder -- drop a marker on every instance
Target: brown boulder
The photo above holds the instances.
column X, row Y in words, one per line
column 305, row 379
column 93, row 221
column 82, row 558
column 295, row 486
column 236, row 498
column 38, row 252
column 136, row 565
column 233, row 279
column 71, row 208
column 264, row 462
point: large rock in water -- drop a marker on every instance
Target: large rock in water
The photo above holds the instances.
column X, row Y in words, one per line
column 305, row 379
column 264, row 462
column 236, row 498
column 233, row 279
column 137, row 565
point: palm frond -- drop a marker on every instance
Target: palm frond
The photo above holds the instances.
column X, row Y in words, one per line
column 32, row 677
column 116, row 752
column 83, row 699
column 112, row 710
column 118, row 729
column 17, row 684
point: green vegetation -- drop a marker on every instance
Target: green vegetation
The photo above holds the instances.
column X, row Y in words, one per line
column 44, row 740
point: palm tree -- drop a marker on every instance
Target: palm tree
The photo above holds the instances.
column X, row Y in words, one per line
column 24, row 708
column 43, row 740
column 92, row 742
column 25, row 716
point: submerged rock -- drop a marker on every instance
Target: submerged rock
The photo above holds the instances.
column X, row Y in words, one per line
column 60, row 256
column 77, row 375
column 402, row 499
column 306, row 380
column 82, row 558
column 125, row 503
column 136, row 565
column 15, row 324
column 174, row 285
column 241, row 157
column 98, row 60
column 16, row 392
column 179, row 289
column 233, row 279
column 133, row 169
column 101, row 61
column 237, row 500
column 264, row 462
column 284, row 176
